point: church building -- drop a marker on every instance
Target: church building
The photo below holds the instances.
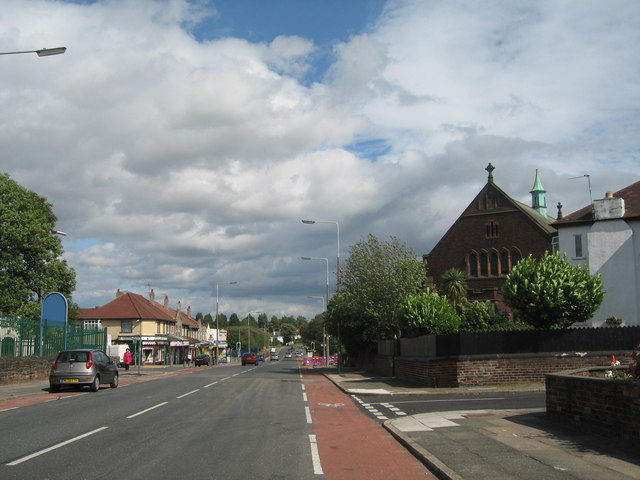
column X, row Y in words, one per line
column 491, row 235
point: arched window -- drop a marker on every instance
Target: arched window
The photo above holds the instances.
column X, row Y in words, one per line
column 493, row 263
column 484, row 264
column 516, row 256
column 473, row 265
column 504, row 262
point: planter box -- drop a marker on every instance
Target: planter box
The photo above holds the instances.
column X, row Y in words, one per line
column 610, row 407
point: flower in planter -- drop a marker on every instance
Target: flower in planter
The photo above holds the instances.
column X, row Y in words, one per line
column 634, row 368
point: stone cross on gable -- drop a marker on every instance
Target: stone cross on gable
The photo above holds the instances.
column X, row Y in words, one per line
column 490, row 168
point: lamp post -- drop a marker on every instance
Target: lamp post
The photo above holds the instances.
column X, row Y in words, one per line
column 217, row 321
column 43, row 52
column 311, row 222
column 325, row 337
column 327, row 283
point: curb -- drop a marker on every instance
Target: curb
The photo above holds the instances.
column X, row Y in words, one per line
column 434, row 465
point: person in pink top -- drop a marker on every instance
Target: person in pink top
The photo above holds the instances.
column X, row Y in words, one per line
column 127, row 359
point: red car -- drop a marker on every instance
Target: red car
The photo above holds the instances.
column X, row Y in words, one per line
column 249, row 358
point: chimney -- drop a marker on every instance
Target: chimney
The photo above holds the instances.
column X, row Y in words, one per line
column 189, row 311
column 166, row 301
column 608, row 208
column 152, row 295
column 119, row 293
column 179, row 307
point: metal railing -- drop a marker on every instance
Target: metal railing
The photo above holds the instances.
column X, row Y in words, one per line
column 20, row 337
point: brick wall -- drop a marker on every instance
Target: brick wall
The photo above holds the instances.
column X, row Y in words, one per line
column 611, row 407
column 493, row 370
column 24, row 368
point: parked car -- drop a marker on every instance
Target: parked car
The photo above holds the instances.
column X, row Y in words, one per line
column 82, row 367
column 202, row 359
column 249, row 358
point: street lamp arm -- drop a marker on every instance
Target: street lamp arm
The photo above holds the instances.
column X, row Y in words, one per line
column 43, row 52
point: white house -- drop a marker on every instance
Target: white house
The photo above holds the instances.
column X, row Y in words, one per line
column 605, row 237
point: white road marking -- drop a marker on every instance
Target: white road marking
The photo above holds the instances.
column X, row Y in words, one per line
column 147, row 410
column 304, row 396
column 62, row 444
column 207, row 386
column 189, row 393
column 315, row 456
column 307, row 413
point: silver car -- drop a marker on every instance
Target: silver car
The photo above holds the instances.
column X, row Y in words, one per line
column 83, row 367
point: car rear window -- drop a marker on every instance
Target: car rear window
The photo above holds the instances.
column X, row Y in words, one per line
column 73, row 357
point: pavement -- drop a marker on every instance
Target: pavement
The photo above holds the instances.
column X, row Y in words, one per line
column 456, row 445
column 497, row 444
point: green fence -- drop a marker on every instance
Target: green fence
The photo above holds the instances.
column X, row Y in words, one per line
column 20, row 337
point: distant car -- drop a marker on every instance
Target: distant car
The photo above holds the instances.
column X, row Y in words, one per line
column 249, row 358
column 82, row 367
column 299, row 353
column 261, row 358
column 202, row 360
column 287, row 355
column 274, row 357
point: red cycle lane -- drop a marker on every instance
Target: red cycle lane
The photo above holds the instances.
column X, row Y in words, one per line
column 351, row 445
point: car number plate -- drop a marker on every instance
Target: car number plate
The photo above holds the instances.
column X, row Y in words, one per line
column 70, row 380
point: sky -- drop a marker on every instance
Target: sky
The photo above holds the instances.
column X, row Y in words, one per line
column 182, row 142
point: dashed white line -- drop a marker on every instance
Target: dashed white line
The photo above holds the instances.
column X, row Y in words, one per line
column 147, row 410
column 307, row 414
column 315, row 456
column 62, row 444
column 207, row 386
column 304, row 396
column 189, row 393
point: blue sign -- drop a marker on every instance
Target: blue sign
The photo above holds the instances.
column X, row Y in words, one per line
column 55, row 310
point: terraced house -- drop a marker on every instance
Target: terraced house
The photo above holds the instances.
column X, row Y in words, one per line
column 154, row 332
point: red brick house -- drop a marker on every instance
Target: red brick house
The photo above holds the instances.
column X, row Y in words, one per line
column 491, row 235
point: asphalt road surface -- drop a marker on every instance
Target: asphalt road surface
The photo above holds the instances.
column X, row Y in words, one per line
column 228, row 423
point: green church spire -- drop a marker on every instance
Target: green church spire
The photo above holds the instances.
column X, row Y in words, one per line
column 538, row 198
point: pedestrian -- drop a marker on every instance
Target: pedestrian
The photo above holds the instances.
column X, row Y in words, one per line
column 127, row 359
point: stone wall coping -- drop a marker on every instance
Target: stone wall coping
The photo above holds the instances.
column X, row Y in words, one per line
column 575, row 374
column 499, row 356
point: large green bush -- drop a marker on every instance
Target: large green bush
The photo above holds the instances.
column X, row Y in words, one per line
column 428, row 313
column 550, row 293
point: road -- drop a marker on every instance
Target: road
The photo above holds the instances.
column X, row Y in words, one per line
column 274, row 422
column 233, row 423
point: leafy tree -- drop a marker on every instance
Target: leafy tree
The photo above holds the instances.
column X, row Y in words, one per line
column 222, row 320
column 288, row 331
column 262, row 320
column 375, row 279
column 550, row 293
column 30, row 267
column 234, row 320
column 428, row 313
column 454, row 285
column 312, row 331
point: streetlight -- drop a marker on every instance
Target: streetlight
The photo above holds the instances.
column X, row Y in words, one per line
column 43, row 52
column 217, row 321
column 311, row 222
column 325, row 346
column 327, row 284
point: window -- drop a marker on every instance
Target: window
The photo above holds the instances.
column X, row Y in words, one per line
column 555, row 245
column 492, row 230
column 493, row 258
column 516, row 256
column 158, row 326
column 578, row 244
column 473, row 265
column 94, row 324
column 484, row 264
column 504, row 262
column 126, row 326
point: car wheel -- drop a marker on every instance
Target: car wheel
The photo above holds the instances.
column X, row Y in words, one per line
column 95, row 385
column 114, row 382
column 54, row 388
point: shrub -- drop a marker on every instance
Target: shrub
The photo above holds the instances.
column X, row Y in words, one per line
column 550, row 293
column 428, row 313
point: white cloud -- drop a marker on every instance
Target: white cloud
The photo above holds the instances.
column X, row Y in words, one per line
column 182, row 163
